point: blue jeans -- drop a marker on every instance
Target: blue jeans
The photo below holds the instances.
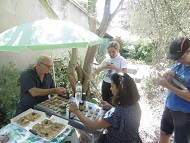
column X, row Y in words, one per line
column 177, row 122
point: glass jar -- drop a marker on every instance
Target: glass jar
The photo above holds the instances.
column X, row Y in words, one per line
column 62, row 108
column 81, row 105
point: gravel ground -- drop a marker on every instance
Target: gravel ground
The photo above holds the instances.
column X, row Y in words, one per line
column 150, row 120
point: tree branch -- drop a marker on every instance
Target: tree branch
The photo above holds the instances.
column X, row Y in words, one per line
column 107, row 17
column 118, row 9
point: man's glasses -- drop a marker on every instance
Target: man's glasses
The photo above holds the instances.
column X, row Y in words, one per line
column 49, row 66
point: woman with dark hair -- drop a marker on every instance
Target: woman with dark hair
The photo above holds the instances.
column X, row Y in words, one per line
column 123, row 119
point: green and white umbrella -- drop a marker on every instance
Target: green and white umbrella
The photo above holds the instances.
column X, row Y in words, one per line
column 47, row 34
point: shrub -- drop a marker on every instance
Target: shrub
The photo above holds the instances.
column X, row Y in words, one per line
column 60, row 68
column 140, row 51
column 9, row 89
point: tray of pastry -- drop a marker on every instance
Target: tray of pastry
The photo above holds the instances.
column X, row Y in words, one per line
column 28, row 118
column 52, row 105
column 92, row 111
column 37, row 123
column 49, row 128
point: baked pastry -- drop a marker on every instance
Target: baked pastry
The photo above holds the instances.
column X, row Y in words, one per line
column 85, row 110
column 89, row 115
column 32, row 116
column 90, row 107
column 57, row 127
column 95, row 113
column 55, row 108
column 48, row 129
column 100, row 104
column 94, row 116
column 97, row 109
column 46, row 122
column 22, row 122
column 91, row 112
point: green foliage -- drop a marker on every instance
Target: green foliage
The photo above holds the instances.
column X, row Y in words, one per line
column 160, row 22
column 60, row 68
column 93, row 100
column 140, row 51
column 9, row 89
column 96, row 79
column 100, row 58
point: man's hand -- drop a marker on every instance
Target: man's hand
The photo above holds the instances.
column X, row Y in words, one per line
column 60, row 90
column 161, row 80
column 168, row 74
column 165, row 78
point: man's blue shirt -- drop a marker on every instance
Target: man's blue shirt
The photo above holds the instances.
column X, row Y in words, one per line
column 30, row 79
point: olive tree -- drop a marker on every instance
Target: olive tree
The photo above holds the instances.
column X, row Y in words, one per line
column 158, row 22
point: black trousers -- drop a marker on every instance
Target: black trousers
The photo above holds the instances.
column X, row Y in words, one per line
column 106, row 92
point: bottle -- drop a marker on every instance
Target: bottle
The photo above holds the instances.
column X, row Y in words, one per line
column 78, row 91
column 84, row 99
column 71, row 115
column 81, row 105
column 68, row 95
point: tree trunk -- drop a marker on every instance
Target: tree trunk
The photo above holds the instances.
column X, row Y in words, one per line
column 91, row 51
column 88, row 65
column 72, row 67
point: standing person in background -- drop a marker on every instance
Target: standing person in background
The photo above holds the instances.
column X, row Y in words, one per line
column 36, row 84
column 110, row 65
column 176, row 115
column 123, row 119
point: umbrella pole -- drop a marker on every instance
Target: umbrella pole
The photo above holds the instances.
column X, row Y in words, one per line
column 53, row 70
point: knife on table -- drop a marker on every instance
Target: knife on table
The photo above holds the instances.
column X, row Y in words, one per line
column 34, row 132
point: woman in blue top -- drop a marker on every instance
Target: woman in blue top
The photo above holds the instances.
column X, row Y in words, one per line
column 123, row 120
column 176, row 115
